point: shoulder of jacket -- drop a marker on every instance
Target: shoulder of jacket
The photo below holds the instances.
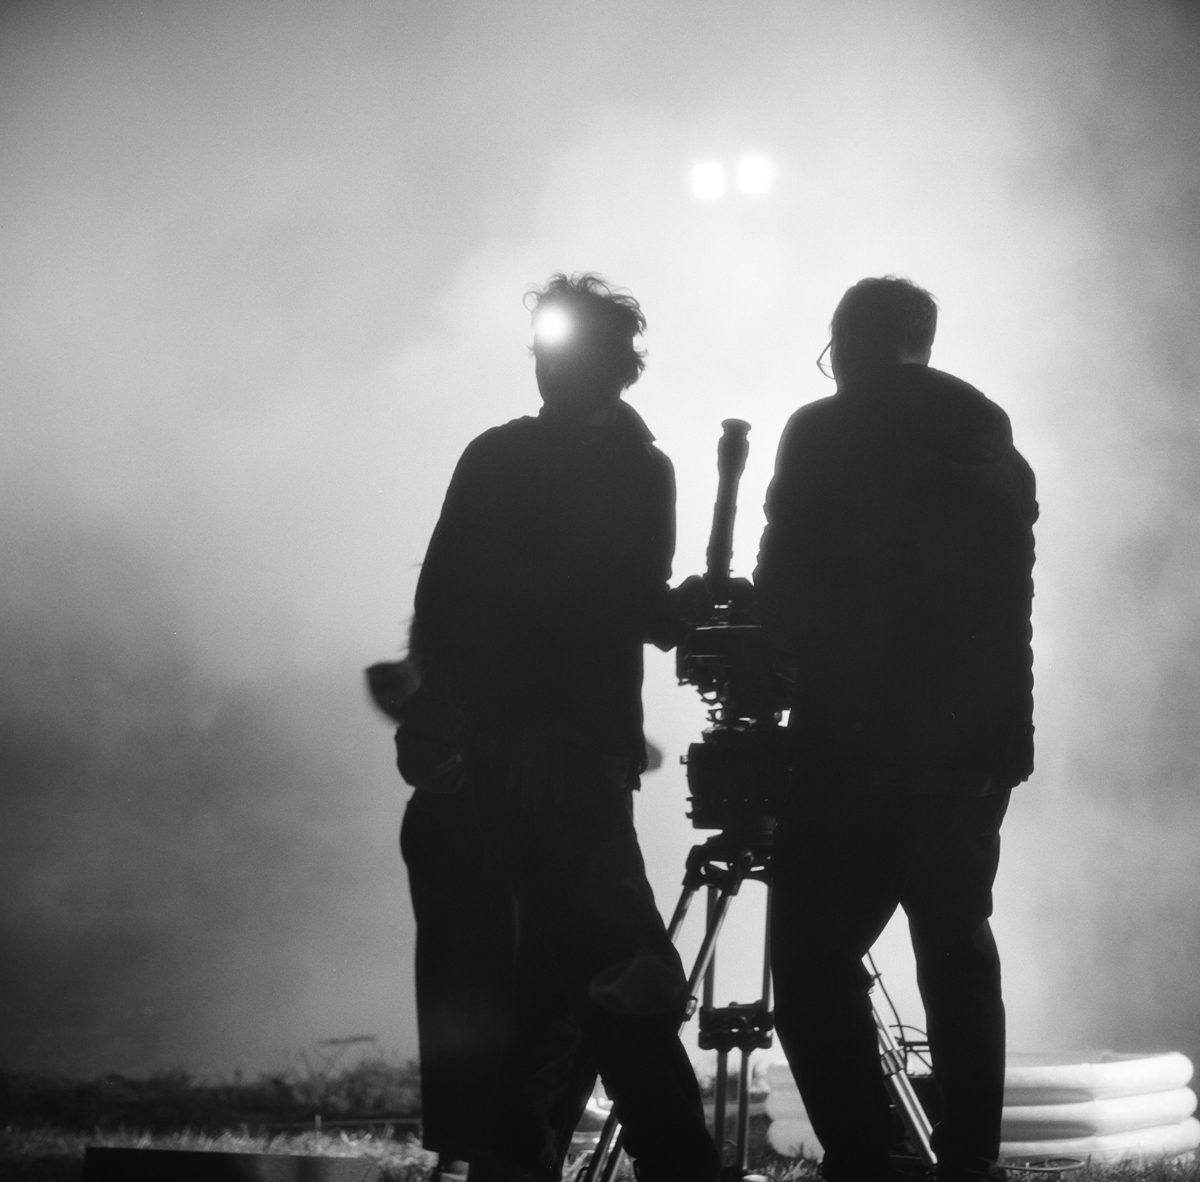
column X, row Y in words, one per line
column 518, row 428
column 501, row 439
column 659, row 457
column 815, row 419
column 822, row 410
column 947, row 392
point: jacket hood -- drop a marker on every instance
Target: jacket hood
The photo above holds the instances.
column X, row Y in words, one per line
column 938, row 412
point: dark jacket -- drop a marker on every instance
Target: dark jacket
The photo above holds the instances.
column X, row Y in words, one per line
column 895, row 580
column 545, row 575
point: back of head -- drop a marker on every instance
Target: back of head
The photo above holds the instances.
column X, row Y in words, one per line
column 581, row 316
column 881, row 322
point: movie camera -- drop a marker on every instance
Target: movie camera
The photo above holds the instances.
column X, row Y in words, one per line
column 737, row 774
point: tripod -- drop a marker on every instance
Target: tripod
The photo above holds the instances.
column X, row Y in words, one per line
column 720, row 865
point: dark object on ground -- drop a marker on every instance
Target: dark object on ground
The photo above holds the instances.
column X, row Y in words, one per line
column 103, row 1164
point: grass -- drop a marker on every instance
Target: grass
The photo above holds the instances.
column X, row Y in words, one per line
column 49, row 1122
column 50, row 1154
column 369, row 1110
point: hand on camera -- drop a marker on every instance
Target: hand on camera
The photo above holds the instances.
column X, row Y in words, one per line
column 741, row 599
column 692, row 602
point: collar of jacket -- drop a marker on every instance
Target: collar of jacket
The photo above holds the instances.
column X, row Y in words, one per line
column 627, row 427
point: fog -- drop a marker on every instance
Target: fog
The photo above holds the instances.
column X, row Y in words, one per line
column 263, row 274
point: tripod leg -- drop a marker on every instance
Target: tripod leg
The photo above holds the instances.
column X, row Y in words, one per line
column 743, row 1113
column 681, row 908
column 716, row 919
column 720, row 1086
column 719, row 904
column 742, row 1143
column 606, row 1156
column 899, row 1086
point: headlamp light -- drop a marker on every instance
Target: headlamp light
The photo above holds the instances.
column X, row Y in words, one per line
column 552, row 326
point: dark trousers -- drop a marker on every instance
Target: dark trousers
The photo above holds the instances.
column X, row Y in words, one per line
column 477, row 991
column 583, row 902
column 843, row 864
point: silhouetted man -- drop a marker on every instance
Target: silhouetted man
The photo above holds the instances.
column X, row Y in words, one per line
column 472, row 975
column 895, row 581
column 546, row 574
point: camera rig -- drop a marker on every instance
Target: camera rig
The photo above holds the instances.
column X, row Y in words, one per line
column 737, row 779
column 737, row 774
column 738, row 783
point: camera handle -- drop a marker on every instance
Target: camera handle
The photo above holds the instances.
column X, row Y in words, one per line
column 732, row 449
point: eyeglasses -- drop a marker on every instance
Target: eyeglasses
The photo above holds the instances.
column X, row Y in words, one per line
column 824, row 365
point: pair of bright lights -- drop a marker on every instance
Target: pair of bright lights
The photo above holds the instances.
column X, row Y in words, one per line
column 751, row 177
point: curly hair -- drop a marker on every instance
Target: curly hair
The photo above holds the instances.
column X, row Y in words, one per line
column 608, row 317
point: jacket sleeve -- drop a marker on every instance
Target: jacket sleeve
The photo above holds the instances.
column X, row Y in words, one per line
column 428, row 738
column 1015, row 757
column 785, row 579
column 448, row 612
column 664, row 628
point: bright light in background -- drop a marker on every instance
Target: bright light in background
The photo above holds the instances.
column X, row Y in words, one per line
column 708, row 180
column 754, row 175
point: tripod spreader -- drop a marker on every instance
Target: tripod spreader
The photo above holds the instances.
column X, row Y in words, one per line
column 744, row 1027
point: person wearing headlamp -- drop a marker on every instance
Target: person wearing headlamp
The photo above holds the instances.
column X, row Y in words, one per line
column 546, row 574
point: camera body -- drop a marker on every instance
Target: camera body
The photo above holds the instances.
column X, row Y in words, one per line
column 738, row 773
column 737, row 780
column 732, row 667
